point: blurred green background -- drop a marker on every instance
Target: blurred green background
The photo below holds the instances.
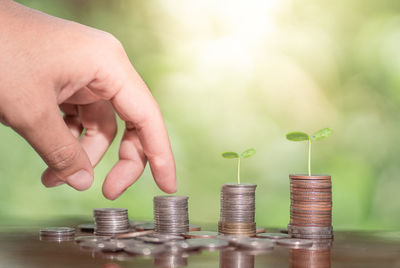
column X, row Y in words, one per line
column 230, row 75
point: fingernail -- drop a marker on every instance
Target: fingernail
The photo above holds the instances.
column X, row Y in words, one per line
column 80, row 180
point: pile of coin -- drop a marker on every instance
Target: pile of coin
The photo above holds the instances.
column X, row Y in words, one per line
column 57, row 234
column 111, row 221
column 237, row 209
column 311, row 207
column 171, row 214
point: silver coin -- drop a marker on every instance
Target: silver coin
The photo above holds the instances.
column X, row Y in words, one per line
column 80, row 239
column 254, row 243
column 273, row 235
column 86, row 227
column 58, row 239
column 207, row 243
column 57, row 230
column 200, row 234
column 145, row 249
column 294, row 243
column 179, row 246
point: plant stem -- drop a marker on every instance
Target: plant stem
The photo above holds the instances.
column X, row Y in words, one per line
column 239, row 170
column 309, row 157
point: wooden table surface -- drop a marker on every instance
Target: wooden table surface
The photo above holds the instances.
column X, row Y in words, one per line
column 20, row 246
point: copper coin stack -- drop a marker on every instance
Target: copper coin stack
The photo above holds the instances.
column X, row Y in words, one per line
column 237, row 209
column 311, row 207
column 171, row 214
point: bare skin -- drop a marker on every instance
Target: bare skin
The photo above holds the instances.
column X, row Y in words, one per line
column 48, row 64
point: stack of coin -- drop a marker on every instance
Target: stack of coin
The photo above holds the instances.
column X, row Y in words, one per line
column 57, row 234
column 171, row 214
column 237, row 209
column 311, row 207
column 111, row 221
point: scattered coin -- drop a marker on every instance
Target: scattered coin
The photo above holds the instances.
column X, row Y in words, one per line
column 294, row 243
column 133, row 234
column 200, row 234
column 194, row 227
column 80, row 239
column 208, row 243
column 86, row 227
column 145, row 226
column 159, row 238
column 178, row 246
column 260, row 230
column 145, row 249
column 111, row 245
column 273, row 235
column 254, row 243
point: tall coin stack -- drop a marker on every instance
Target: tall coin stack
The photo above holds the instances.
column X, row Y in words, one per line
column 111, row 221
column 311, row 207
column 171, row 214
column 237, row 209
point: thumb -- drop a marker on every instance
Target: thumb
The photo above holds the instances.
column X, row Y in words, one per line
column 66, row 159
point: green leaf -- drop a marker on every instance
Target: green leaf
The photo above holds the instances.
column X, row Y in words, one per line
column 248, row 153
column 297, row 136
column 230, row 155
column 321, row 134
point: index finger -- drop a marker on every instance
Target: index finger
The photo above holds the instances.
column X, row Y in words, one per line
column 136, row 106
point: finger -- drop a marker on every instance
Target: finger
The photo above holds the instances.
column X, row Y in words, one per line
column 71, row 119
column 135, row 105
column 46, row 131
column 128, row 169
column 101, row 127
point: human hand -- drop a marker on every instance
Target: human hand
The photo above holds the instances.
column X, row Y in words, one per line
column 47, row 64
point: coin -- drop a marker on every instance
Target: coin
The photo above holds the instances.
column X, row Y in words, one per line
column 145, row 249
column 294, row 243
column 260, row 230
column 179, row 246
column 273, row 235
column 80, row 239
column 159, row 238
column 194, row 227
column 145, row 226
column 200, row 234
column 208, row 243
column 254, row 243
column 86, row 227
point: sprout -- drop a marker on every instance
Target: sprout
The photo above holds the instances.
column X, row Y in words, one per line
column 317, row 136
column 233, row 155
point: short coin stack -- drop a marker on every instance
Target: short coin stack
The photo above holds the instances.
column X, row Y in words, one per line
column 171, row 214
column 57, row 234
column 237, row 209
column 311, row 207
column 111, row 221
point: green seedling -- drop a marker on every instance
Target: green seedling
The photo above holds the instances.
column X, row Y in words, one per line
column 233, row 155
column 317, row 136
